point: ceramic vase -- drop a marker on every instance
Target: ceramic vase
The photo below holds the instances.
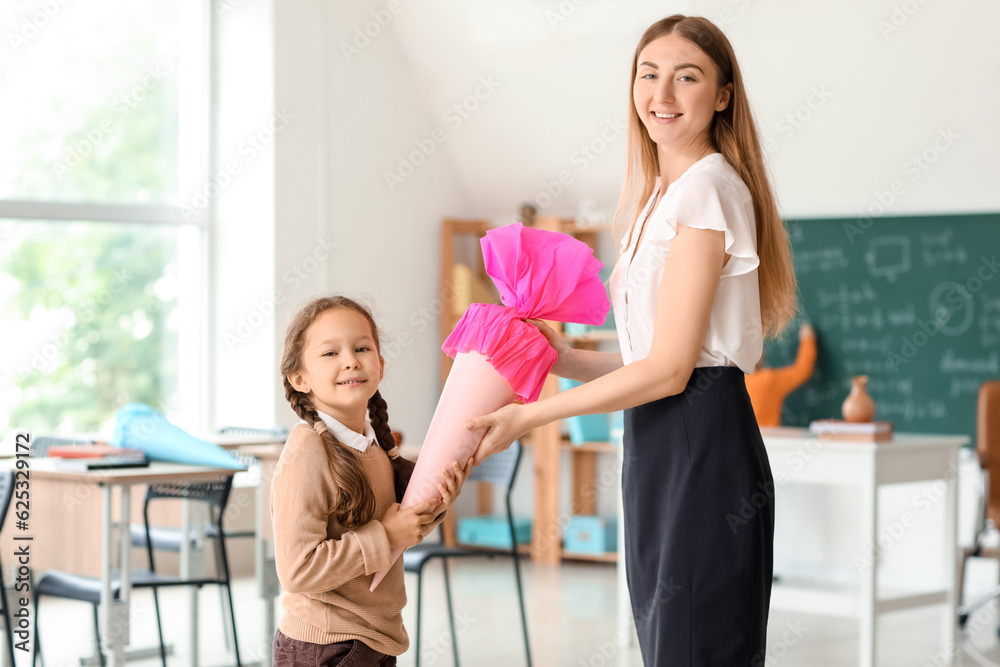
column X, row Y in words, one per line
column 859, row 406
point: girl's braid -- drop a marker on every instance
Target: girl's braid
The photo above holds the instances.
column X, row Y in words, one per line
column 378, row 413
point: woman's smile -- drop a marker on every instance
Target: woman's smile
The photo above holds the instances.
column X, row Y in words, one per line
column 665, row 118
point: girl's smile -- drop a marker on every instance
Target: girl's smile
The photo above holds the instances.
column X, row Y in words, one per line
column 341, row 366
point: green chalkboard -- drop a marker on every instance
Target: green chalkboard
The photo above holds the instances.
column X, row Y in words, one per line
column 911, row 302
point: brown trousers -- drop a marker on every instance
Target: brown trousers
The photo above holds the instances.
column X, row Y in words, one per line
column 288, row 652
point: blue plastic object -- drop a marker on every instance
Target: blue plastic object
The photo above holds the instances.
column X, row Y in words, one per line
column 591, row 534
column 585, row 428
column 492, row 530
column 141, row 426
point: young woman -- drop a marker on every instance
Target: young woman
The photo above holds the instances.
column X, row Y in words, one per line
column 704, row 273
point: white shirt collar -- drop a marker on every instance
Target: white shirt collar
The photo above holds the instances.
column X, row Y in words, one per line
column 352, row 439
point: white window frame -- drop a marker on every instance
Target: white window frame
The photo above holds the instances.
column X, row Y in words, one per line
column 196, row 133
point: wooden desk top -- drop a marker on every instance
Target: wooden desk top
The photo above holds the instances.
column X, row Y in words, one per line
column 239, row 441
column 792, row 436
column 264, row 452
column 46, row 468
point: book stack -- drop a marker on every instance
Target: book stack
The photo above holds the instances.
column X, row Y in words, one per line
column 838, row 429
column 96, row 457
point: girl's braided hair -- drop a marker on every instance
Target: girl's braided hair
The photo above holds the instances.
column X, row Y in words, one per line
column 356, row 502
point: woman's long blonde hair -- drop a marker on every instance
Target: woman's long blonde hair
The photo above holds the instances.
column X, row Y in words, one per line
column 734, row 134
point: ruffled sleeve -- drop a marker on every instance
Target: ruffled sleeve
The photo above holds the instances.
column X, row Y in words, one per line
column 706, row 200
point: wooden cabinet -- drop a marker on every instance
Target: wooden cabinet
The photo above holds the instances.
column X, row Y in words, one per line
column 460, row 246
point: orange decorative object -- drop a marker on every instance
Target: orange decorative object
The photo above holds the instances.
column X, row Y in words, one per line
column 859, row 406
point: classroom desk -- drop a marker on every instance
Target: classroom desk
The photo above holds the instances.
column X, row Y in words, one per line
column 797, row 457
column 114, row 614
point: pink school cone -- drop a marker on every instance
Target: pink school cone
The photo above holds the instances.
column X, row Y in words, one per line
column 473, row 389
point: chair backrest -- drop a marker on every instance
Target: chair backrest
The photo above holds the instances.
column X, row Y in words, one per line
column 247, row 459
column 215, row 493
column 499, row 469
column 40, row 445
column 6, row 493
column 276, row 431
column 988, row 443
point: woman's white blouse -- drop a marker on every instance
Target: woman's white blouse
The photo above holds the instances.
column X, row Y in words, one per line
column 709, row 195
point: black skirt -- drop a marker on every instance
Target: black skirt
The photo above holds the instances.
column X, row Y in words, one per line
column 698, row 500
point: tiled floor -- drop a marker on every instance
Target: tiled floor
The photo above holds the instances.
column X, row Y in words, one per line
column 571, row 610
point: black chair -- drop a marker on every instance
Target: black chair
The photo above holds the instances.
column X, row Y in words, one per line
column 39, row 446
column 6, row 493
column 88, row 589
column 169, row 539
column 499, row 469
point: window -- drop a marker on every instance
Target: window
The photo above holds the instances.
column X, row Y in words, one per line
column 102, row 279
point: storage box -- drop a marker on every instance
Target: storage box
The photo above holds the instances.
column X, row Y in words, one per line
column 591, row 534
column 492, row 531
column 585, row 428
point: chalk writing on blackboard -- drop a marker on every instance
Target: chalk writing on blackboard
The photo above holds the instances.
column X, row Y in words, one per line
column 888, row 257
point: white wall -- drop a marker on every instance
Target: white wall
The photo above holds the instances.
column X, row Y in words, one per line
column 846, row 94
column 242, row 245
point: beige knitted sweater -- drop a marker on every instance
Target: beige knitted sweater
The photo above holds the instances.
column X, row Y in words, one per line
column 325, row 570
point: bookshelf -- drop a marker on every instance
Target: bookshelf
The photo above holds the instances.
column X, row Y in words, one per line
column 460, row 244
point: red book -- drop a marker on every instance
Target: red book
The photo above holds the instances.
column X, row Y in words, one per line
column 91, row 451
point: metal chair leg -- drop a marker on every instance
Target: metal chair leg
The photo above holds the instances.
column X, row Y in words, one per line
column 38, row 647
column 6, row 618
column 420, row 586
column 97, row 627
column 227, row 617
column 524, row 616
column 159, row 627
column 451, row 613
column 224, row 570
column 232, row 618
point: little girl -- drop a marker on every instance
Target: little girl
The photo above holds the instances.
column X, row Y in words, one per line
column 335, row 495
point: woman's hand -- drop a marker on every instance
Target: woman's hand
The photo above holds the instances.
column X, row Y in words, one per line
column 410, row 526
column 503, row 427
column 564, row 364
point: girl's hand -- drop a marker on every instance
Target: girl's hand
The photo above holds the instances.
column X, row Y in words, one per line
column 410, row 526
column 565, row 361
column 505, row 426
column 454, row 478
